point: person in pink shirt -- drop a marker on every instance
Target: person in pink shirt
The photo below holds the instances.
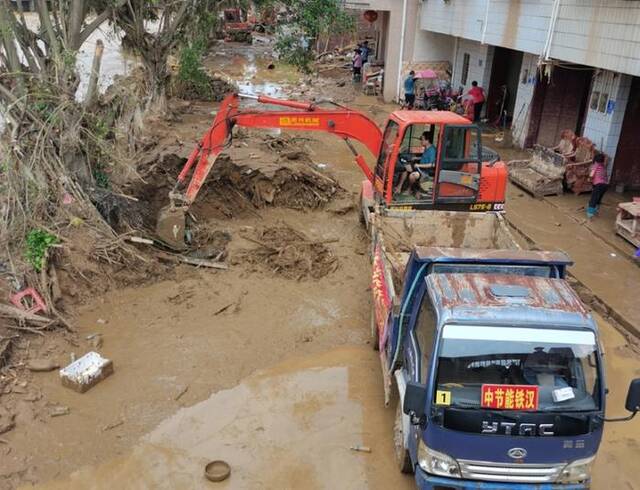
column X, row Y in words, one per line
column 600, row 181
column 357, row 65
column 477, row 96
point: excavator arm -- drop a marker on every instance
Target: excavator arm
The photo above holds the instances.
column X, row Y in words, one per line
column 301, row 116
column 341, row 121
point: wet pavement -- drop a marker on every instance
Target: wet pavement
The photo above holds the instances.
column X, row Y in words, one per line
column 611, row 276
column 288, row 427
column 292, row 427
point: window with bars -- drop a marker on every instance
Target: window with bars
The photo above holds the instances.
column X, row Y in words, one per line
column 465, row 68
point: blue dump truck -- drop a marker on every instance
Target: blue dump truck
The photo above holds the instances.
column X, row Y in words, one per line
column 493, row 359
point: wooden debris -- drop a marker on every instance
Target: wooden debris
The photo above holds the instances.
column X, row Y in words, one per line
column 182, row 392
column 192, row 261
column 223, row 309
column 137, row 239
column 113, row 425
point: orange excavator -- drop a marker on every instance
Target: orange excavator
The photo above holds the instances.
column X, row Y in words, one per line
column 463, row 177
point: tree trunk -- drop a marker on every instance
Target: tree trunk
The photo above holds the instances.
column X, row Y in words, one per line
column 9, row 45
column 158, row 81
column 92, row 90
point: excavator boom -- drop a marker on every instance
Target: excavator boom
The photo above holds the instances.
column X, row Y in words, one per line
column 302, row 116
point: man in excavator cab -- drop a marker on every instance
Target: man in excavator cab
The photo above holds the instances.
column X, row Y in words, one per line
column 419, row 169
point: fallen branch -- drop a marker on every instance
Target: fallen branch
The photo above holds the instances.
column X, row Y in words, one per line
column 7, row 311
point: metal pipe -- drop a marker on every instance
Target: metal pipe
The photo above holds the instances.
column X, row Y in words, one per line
column 402, row 33
column 455, row 60
column 485, row 22
column 552, row 26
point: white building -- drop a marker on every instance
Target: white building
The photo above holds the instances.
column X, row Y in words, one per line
column 571, row 64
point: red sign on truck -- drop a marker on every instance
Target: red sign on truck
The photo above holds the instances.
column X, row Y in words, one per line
column 509, row 397
column 381, row 299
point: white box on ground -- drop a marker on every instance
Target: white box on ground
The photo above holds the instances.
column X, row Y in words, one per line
column 86, row 372
column 563, row 394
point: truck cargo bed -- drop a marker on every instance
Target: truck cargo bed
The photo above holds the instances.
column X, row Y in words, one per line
column 397, row 234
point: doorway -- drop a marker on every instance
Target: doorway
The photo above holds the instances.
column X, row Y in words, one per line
column 503, row 87
column 626, row 169
column 559, row 102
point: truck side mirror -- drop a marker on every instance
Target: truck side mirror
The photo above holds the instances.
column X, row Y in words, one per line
column 633, row 396
column 415, row 399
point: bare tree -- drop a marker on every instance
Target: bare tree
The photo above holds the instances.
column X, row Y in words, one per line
column 49, row 146
column 153, row 30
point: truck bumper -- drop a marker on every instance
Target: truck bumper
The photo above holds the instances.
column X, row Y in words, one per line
column 429, row 482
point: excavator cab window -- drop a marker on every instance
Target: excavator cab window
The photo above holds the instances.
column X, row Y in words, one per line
column 388, row 139
column 460, row 163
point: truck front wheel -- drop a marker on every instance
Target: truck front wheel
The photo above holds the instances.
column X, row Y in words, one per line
column 402, row 455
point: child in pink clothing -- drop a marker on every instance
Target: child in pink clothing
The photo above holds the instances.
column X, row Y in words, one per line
column 600, row 181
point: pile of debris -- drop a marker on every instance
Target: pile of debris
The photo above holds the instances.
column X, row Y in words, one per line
column 293, row 184
column 286, row 252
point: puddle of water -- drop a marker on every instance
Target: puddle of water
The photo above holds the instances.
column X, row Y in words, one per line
column 288, row 427
column 252, row 84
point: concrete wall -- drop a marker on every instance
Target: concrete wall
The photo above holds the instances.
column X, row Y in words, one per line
column 604, row 128
column 520, row 25
column 604, row 34
column 524, row 96
column 393, row 37
column 480, row 58
column 431, row 46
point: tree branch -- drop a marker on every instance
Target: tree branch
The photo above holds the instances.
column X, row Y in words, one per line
column 97, row 22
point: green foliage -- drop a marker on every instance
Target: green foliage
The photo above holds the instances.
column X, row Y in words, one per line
column 193, row 81
column 38, row 242
column 293, row 51
column 101, row 177
column 311, row 19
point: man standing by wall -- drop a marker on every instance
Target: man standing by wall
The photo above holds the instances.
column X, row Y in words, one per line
column 409, row 90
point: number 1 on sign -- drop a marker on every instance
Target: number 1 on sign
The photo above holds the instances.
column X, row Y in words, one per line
column 443, row 397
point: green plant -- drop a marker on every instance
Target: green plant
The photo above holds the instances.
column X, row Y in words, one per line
column 193, row 81
column 310, row 21
column 101, row 177
column 38, row 242
column 291, row 50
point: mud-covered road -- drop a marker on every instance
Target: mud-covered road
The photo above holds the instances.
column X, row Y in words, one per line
column 272, row 374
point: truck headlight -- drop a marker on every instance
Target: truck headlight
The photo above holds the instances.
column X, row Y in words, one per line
column 437, row 463
column 578, row 471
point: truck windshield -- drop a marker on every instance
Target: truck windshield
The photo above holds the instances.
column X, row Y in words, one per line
column 508, row 368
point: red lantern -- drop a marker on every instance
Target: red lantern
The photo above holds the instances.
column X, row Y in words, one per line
column 371, row 15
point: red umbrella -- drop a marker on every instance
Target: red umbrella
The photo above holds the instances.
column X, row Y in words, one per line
column 428, row 74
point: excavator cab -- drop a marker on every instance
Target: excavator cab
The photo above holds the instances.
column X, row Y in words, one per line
column 452, row 181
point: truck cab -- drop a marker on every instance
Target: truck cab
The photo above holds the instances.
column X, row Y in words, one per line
column 463, row 176
column 499, row 372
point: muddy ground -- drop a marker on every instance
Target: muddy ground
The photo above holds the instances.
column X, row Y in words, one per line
column 267, row 364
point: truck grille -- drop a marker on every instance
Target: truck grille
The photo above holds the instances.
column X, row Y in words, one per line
column 506, row 472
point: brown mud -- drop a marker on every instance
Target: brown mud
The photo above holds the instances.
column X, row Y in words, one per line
column 265, row 365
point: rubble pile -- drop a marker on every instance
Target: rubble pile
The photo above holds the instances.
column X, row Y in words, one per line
column 286, row 252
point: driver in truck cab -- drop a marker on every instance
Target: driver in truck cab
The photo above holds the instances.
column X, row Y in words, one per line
column 419, row 172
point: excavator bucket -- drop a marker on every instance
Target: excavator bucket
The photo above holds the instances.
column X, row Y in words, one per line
column 171, row 227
